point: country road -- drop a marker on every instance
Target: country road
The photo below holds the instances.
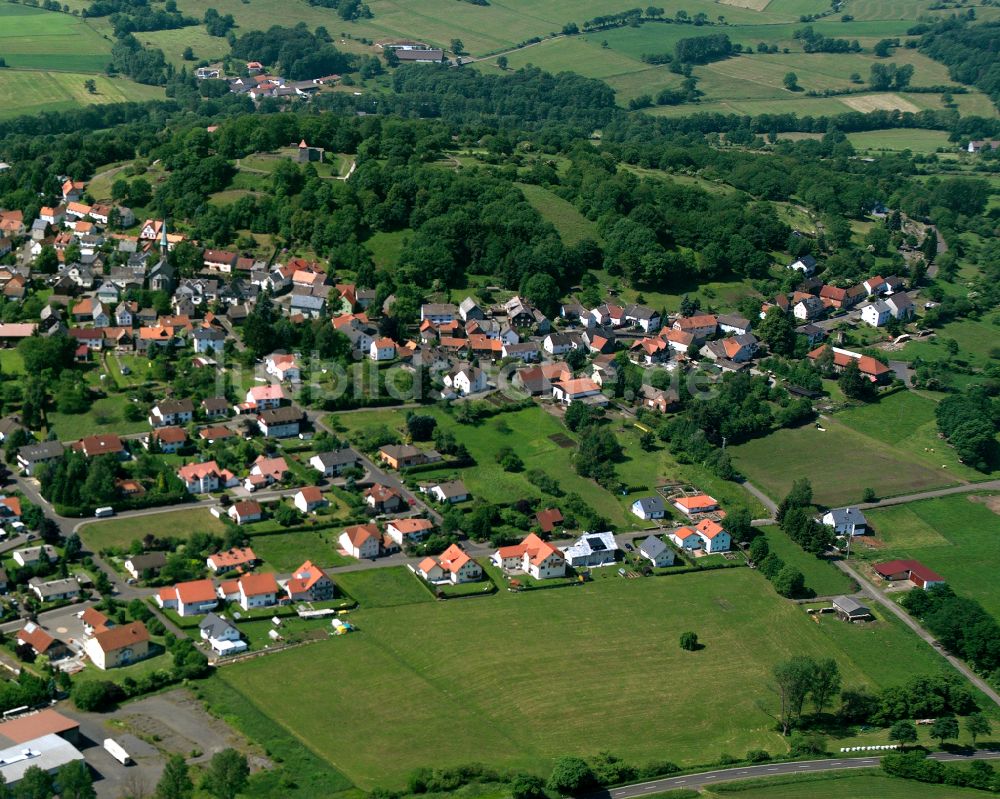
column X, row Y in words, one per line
column 885, row 601
column 700, row 780
column 965, row 488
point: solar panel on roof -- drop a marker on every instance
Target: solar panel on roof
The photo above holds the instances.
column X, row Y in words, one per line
column 596, row 544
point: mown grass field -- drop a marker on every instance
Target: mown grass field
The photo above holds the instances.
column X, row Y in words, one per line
column 571, row 224
column 956, row 536
column 977, row 339
column 106, row 415
column 284, row 552
column 518, row 680
column 122, row 532
column 840, row 462
column 919, row 141
column 822, row 577
column 31, row 38
column 383, row 587
column 25, row 91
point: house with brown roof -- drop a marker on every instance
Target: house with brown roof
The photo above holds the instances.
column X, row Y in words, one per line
column 258, row 590
column 41, row 642
column 362, row 541
column 309, row 499
column 454, row 565
column 548, row 519
column 235, row 558
column 698, row 327
column 309, row 583
column 118, row 646
column 874, row 370
column 167, row 439
column 532, row 556
column 245, row 512
column 383, row 499
column 700, row 503
column 104, row 444
column 408, row 531
column 192, row 598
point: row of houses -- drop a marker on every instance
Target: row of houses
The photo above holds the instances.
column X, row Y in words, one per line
column 308, row 583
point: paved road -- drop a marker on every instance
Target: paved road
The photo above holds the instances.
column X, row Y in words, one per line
column 391, row 479
column 700, row 780
column 965, row 488
column 765, row 500
column 880, row 596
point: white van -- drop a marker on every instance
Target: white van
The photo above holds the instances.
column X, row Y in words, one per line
column 107, row 510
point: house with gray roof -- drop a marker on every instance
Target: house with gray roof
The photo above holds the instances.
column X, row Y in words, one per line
column 846, row 521
column 31, row 456
column 649, row 507
column 221, row 635
column 850, row 610
column 656, row 552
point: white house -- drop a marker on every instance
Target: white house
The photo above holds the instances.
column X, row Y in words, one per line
column 409, row 530
column 685, row 538
column 656, row 552
column 466, row 380
column 208, row 340
column 708, row 536
column 192, row 598
column 808, row 308
column 846, row 521
column 283, row 367
column 382, row 349
column 533, row 556
column 245, row 512
column 332, row 463
column 876, row 314
column 592, row 549
column 309, row 499
column 451, row 492
column 649, row 507
column 806, row 265
column 453, row 565
column 361, row 541
column 560, row 343
column 580, row 389
column 222, row 636
column 258, row 590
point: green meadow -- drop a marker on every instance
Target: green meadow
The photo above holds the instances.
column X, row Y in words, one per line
column 955, row 536
column 516, row 680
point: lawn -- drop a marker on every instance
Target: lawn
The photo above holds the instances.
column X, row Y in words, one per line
column 822, row 577
column 286, row 551
column 31, row 38
column 840, row 786
column 31, row 92
column 976, row 338
column 106, row 415
column 386, row 247
column 528, row 432
column 122, row 532
column 905, row 421
column 919, row 141
column 11, row 362
column 955, row 536
column 568, row 221
column 506, row 668
column 383, row 587
column 841, row 463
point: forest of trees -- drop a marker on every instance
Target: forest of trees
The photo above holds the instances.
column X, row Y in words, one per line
column 296, row 53
column 969, row 52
